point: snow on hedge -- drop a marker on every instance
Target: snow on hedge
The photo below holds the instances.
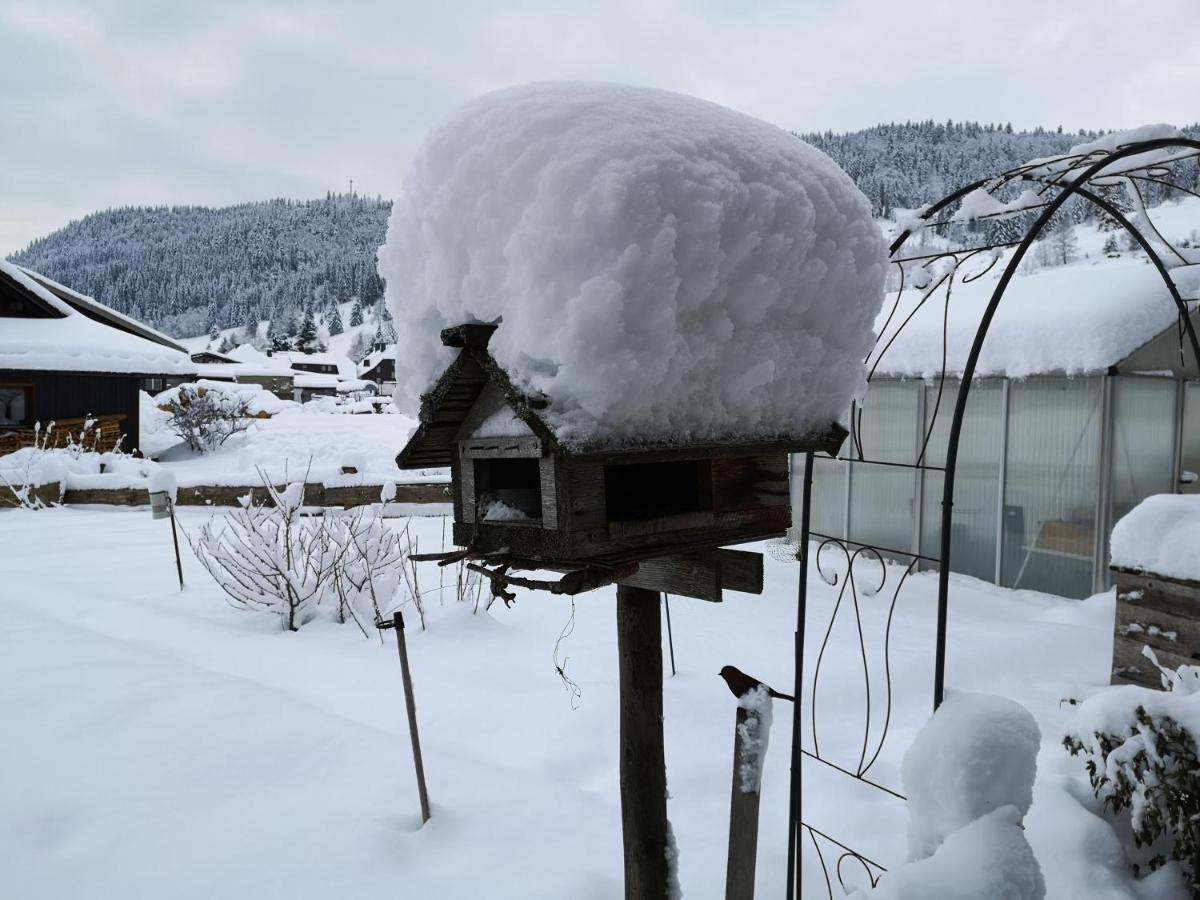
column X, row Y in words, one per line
column 664, row 268
column 1160, row 535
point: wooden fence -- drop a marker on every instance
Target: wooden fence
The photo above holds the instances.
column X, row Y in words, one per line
column 211, row 495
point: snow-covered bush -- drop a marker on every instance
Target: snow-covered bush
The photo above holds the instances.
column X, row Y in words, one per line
column 273, row 558
column 969, row 778
column 1140, row 750
column 204, row 416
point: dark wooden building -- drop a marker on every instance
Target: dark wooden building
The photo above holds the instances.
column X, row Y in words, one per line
column 65, row 358
column 379, row 367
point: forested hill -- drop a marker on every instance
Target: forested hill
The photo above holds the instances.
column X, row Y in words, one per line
column 185, row 269
column 914, row 163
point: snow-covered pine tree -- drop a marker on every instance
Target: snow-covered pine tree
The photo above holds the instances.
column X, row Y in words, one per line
column 356, row 314
column 335, row 322
column 306, row 334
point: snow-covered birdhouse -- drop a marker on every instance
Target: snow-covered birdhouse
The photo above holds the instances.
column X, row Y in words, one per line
column 518, row 487
column 681, row 295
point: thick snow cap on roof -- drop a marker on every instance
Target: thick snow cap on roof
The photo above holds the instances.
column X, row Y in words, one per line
column 1075, row 319
column 663, row 269
column 72, row 342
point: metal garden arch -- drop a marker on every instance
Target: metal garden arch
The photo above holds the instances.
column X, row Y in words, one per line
column 1055, row 181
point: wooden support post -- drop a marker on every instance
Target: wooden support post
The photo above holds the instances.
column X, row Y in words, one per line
column 743, row 824
column 643, row 763
column 410, row 705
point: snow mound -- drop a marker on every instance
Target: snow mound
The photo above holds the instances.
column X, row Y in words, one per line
column 1160, row 535
column 977, row 754
column 989, row 859
column 665, row 269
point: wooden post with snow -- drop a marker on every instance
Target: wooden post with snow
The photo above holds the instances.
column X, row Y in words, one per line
column 750, row 735
column 643, row 761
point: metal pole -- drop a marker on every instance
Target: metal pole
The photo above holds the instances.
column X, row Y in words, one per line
column 411, row 706
column 793, row 851
column 175, row 538
column 670, row 638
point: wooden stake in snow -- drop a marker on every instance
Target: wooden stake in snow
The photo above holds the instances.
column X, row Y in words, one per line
column 643, row 762
column 163, row 507
column 750, row 736
column 411, row 706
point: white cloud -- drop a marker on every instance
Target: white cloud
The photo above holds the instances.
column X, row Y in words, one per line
column 142, row 102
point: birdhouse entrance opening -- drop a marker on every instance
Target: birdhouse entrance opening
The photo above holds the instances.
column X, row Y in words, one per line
column 509, row 490
column 652, row 490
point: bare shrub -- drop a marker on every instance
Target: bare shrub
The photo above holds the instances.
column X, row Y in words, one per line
column 205, row 417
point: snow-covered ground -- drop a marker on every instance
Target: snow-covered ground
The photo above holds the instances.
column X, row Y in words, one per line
column 303, row 438
column 162, row 744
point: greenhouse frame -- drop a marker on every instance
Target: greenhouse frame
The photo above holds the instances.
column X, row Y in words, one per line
column 1047, row 464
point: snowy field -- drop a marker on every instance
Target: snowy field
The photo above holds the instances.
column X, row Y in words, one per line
column 302, row 439
column 163, row 744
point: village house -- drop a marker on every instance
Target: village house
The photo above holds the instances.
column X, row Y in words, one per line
column 65, row 358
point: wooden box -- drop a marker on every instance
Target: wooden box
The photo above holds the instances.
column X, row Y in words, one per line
column 1156, row 612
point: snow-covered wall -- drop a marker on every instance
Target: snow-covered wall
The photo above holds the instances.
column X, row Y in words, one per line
column 666, row 269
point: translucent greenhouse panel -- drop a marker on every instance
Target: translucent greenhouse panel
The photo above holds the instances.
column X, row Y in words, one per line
column 829, row 496
column 883, row 497
column 1051, row 485
column 1191, row 440
column 1143, row 441
column 977, row 484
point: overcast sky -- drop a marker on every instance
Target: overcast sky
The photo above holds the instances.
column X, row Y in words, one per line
column 108, row 103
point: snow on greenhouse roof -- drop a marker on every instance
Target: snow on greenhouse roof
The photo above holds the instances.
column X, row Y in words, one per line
column 70, row 341
column 1072, row 319
column 662, row 269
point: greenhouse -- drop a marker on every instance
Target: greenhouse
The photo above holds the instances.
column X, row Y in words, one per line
column 1080, row 409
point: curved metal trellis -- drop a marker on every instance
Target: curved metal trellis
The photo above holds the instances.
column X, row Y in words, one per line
column 1049, row 184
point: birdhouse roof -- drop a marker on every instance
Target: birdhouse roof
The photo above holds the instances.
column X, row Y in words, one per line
column 665, row 271
column 445, row 408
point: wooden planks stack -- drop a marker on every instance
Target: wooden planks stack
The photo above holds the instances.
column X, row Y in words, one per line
column 1156, row 612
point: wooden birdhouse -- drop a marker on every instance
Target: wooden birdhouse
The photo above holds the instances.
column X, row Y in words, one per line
column 649, row 515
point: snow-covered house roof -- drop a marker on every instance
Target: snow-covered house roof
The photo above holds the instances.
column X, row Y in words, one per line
column 315, row 381
column 1075, row 319
column 221, row 371
column 475, row 380
column 319, row 359
column 375, row 357
column 665, row 271
column 94, row 309
column 55, row 334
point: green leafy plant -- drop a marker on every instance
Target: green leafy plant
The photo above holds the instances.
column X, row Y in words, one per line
column 1151, row 770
